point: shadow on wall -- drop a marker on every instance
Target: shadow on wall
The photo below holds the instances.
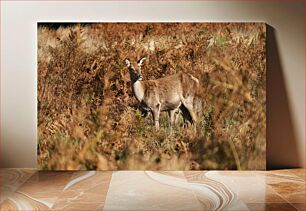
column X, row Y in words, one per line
column 281, row 139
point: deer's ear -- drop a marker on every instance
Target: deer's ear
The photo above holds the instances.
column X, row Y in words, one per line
column 127, row 62
column 141, row 61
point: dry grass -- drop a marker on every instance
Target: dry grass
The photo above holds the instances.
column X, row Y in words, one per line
column 88, row 117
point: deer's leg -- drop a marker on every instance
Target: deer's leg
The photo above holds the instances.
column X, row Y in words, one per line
column 186, row 115
column 176, row 113
column 193, row 115
column 189, row 107
column 156, row 112
column 172, row 115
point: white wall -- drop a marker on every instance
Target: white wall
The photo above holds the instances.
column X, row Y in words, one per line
column 18, row 61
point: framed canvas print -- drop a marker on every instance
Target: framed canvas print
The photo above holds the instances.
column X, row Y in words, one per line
column 154, row 96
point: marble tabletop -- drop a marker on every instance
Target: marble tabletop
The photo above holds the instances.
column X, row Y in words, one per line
column 29, row 189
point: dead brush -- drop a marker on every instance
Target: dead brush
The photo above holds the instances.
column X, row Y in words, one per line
column 88, row 117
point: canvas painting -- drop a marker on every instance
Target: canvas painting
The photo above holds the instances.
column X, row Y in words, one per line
column 151, row 96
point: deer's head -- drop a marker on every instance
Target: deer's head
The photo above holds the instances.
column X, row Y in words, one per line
column 135, row 69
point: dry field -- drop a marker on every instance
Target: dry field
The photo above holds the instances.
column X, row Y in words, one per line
column 88, row 117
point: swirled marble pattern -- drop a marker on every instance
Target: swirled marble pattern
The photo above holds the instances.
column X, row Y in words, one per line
column 146, row 190
column 26, row 189
column 85, row 191
column 11, row 180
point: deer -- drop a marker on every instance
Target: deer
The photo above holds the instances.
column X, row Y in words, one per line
column 170, row 94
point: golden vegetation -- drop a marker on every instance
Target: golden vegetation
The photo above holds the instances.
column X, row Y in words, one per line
column 88, row 117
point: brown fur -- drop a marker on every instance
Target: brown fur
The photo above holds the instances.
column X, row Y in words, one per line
column 167, row 94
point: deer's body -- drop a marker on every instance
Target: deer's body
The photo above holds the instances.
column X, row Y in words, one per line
column 165, row 94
